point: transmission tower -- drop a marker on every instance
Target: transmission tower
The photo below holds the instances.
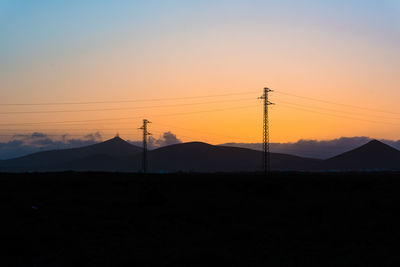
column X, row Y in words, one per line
column 145, row 134
column 266, row 155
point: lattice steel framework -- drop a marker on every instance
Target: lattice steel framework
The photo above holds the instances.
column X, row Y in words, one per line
column 266, row 155
column 145, row 134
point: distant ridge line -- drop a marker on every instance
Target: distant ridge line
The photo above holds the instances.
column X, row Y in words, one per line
column 118, row 155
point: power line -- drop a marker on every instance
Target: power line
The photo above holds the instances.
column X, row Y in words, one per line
column 339, row 111
column 114, row 109
column 307, row 109
column 102, row 131
column 46, row 135
column 197, row 131
column 339, row 116
column 124, row 101
column 85, row 122
column 336, row 103
column 66, row 133
column 69, row 128
column 128, row 118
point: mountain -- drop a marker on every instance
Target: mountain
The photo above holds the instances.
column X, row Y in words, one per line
column 371, row 156
column 201, row 157
column 194, row 157
column 118, row 155
column 67, row 158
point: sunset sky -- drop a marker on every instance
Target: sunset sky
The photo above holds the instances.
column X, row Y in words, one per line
column 196, row 68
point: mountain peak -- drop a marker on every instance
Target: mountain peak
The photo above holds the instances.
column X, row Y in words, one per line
column 117, row 138
column 373, row 155
column 115, row 146
column 376, row 145
column 374, row 141
column 372, row 148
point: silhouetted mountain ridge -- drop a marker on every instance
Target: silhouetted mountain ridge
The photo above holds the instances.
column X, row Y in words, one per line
column 54, row 159
column 118, row 155
column 373, row 155
column 202, row 157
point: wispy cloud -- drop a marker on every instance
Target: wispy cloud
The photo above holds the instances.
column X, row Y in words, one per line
column 317, row 149
column 23, row 144
column 167, row 138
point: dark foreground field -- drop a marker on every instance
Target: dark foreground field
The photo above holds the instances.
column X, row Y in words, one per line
column 97, row 219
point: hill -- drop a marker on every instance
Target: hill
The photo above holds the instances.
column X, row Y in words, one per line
column 371, row 156
column 120, row 156
column 202, row 157
column 61, row 159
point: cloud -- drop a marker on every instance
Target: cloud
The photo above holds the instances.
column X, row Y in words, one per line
column 317, row 149
column 166, row 139
column 23, row 144
column 93, row 136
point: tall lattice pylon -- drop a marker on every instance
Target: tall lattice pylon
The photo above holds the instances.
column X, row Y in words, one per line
column 266, row 155
column 144, row 155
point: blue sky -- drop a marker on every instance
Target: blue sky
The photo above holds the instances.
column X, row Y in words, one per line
column 342, row 50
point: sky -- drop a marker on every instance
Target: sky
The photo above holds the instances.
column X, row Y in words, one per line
column 196, row 68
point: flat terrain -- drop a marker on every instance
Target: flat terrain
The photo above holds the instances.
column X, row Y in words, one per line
column 290, row 219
